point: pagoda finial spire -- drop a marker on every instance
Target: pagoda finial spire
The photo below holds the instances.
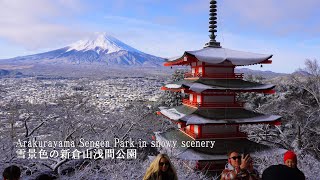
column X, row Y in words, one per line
column 213, row 26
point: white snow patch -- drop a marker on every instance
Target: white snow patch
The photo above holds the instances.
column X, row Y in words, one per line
column 198, row 87
column 195, row 119
column 172, row 114
column 173, row 86
column 102, row 42
column 218, row 55
column 190, row 154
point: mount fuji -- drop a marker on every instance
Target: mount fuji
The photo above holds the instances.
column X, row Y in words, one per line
column 103, row 49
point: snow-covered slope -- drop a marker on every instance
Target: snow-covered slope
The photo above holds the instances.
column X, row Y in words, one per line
column 102, row 43
column 101, row 49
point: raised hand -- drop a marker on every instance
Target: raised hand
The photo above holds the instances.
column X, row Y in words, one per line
column 245, row 161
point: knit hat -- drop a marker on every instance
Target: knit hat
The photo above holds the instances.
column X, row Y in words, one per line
column 290, row 155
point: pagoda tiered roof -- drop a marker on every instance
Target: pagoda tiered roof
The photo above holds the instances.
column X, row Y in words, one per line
column 213, row 55
column 192, row 115
column 200, row 85
column 218, row 152
column 212, row 113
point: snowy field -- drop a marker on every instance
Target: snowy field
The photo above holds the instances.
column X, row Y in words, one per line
column 98, row 105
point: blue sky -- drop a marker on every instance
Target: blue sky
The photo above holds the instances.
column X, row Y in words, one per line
column 288, row 29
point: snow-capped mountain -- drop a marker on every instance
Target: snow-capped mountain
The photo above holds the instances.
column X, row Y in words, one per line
column 104, row 43
column 102, row 48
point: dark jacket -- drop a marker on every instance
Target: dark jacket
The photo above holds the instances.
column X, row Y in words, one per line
column 162, row 176
column 281, row 172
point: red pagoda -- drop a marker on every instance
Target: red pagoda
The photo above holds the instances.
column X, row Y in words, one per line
column 212, row 111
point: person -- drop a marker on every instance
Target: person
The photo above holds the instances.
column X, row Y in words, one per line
column 290, row 160
column 239, row 167
column 281, row 172
column 11, row 173
column 161, row 168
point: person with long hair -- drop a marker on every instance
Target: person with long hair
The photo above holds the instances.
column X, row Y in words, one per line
column 161, row 168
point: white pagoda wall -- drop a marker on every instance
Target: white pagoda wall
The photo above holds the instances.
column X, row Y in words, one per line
column 193, row 129
column 191, row 97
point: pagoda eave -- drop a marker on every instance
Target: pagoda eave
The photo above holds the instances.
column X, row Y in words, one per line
column 219, row 55
column 212, row 154
column 186, row 59
column 187, row 90
column 193, row 119
column 269, row 61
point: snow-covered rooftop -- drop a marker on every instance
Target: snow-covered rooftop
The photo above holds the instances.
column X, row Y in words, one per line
column 191, row 154
column 200, row 85
column 196, row 119
column 219, row 55
column 216, row 116
column 218, row 152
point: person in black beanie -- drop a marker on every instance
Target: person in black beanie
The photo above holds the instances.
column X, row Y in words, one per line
column 11, row 173
column 282, row 172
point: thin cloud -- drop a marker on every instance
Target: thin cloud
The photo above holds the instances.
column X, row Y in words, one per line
column 128, row 20
column 35, row 24
column 195, row 6
column 165, row 20
column 277, row 16
column 158, row 21
column 159, row 42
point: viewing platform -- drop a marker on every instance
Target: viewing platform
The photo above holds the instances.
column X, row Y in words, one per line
column 213, row 105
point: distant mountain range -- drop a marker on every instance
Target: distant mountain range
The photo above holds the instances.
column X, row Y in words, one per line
column 265, row 74
column 4, row 72
column 103, row 49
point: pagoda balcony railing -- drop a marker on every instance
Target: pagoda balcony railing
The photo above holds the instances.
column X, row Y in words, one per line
column 214, row 75
column 214, row 135
column 190, row 132
column 213, row 105
column 192, row 75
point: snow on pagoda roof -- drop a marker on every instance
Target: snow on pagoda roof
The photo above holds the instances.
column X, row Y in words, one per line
column 191, row 154
column 177, row 112
column 200, row 85
column 219, row 55
column 218, row 152
column 254, row 149
column 216, row 116
column 196, row 119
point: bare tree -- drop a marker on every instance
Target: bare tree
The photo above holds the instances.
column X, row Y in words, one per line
column 298, row 103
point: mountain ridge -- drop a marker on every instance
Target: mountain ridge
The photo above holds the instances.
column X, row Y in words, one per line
column 102, row 49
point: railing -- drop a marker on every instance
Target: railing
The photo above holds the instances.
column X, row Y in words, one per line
column 189, row 132
column 192, row 75
column 226, row 135
column 213, row 105
column 214, row 75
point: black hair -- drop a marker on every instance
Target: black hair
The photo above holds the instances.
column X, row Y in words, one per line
column 231, row 151
column 11, row 173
